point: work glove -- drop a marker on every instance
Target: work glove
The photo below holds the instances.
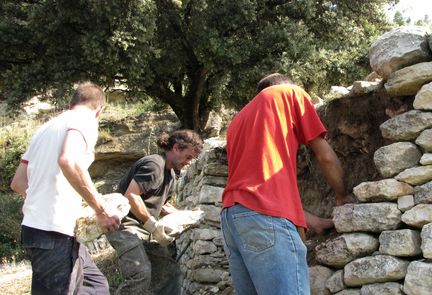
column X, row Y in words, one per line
column 158, row 231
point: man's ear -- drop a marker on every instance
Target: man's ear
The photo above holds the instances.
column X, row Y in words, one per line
column 176, row 147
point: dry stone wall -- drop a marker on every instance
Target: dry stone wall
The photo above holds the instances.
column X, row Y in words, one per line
column 202, row 259
column 384, row 244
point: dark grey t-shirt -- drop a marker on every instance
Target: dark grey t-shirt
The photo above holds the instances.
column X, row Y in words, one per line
column 156, row 182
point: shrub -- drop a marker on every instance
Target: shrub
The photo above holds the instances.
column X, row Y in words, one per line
column 11, row 216
column 13, row 142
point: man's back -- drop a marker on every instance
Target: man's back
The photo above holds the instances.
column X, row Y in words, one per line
column 262, row 143
column 48, row 190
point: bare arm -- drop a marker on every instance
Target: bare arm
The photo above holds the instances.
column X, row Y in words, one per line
column 331, row 168
column 138, row 208
column 72, row 150
column 19, row 182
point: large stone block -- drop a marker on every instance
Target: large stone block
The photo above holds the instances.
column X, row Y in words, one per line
column 382, row 190
column 335, row 283
column 409, row 80
column 426, row 240
column 396, row 157
column 424, row 140
column 399, row 48
column 391, row 288
column 418, row 279
column 318, row 275
column 374, row 269
column 403, row 242
column 339, row 251
column 423, row 193
column 416, row 175
column 372, row 217
column 423, row 98
column 406, row 126
column 418, row 216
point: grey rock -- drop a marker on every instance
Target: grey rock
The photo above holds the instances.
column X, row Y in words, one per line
column 318, row 275
column 409, row 80
column 403, row 242
column 372, row 217
column 396, row 157
column 382, row 190
column 335, row 282
column 416, row 175
column 339, row 251
column 399, row 48
column 374, row 269
column 426, row 240
column 423, row 98
column 418, row 216
column 406, row 126
column 418, row 279
column 391, row 288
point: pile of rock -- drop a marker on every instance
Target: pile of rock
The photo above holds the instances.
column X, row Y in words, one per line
column 386, row 239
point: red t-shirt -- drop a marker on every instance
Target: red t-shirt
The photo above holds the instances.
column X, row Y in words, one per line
column 262, row 143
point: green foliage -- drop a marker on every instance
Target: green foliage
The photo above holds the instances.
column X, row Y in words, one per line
column 191, row 55
column 13, row 142
column 11, row 216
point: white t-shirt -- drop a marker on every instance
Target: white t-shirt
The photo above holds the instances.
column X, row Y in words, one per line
column 51, row 203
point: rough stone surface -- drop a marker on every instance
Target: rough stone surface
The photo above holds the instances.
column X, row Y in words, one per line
column 424, row 140
column 416, row 175
column 409, row 80
column 402, row 242
column 318, row 275
column 423, row 98
column 423, row 193
column 399, row 48
column 405, row 202
column 350, row 291
column 382, row 289
column 396, row 157
column 382, row 190
column 426, row 159
column 418, row 278
column 418, row 216
column 339, row 251
column 371, row 217
column 426, row 240
column 374, row 269
column 335, row 283
column 406, row 126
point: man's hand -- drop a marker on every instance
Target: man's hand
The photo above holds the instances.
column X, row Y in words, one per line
column 108, row 222
column 159, row 232
column 345, row 199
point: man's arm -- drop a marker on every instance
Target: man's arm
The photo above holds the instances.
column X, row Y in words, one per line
column 158, row 231
column 138, row 208
column 73, row 149
column 19, row 182
column 331, row 168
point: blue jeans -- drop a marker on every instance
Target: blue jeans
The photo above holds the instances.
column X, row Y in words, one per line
column 266, row 254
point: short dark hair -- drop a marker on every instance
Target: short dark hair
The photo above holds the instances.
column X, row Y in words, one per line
column 184, row 138
column 90, row 94
column 271, row 80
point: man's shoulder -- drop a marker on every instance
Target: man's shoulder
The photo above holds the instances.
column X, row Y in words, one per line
column 155, row 160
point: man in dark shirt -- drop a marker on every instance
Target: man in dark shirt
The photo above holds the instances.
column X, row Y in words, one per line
column 148, row 186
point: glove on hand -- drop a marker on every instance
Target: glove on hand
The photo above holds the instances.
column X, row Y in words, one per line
column 158, row 231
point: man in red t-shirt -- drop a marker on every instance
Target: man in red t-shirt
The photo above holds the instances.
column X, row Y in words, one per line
column 262, row 206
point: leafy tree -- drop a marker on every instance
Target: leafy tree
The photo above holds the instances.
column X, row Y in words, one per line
column 192, row 55
column 398, row 19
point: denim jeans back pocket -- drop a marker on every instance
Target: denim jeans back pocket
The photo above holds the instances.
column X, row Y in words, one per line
column 255, row 230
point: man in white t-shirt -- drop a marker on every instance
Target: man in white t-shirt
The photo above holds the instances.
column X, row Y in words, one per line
column 53, row 177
